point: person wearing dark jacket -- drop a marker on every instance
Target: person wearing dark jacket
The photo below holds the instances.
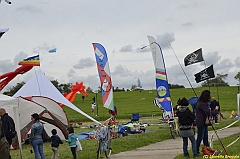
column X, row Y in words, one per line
column 186, row 119
column 7, row 123
column 4, row 154
column 55, row 141
column 213, row 105
column 202, row 112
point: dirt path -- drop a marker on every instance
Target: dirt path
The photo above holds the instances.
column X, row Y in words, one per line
column 167, row 149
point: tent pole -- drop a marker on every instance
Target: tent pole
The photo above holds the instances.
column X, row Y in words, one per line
column 16, row 115
column 238, row 103
column 96, row 102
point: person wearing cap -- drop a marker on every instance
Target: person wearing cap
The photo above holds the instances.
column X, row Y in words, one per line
column 186, row 119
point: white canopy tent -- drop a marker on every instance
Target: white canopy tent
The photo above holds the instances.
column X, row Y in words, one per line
column 49, row 112
column 40, row 85
column 10, row 104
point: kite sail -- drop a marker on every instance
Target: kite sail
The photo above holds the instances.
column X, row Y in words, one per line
column 104, row 75
column 2, row 31
column 30, row 61
column 163, row 94
column 139, row 84
column 52, row 50
column 7, row 1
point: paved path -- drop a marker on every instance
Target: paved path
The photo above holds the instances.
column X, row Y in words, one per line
column 167, row 149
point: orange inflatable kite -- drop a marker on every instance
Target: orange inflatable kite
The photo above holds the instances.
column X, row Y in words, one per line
column 78, row 87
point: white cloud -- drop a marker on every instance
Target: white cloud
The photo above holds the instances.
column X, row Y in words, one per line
column 71, row 73
column 127, row 48
column 84, row 63
column 237, row 62
column 165, row 40
column 30, row 9
column 71, row 27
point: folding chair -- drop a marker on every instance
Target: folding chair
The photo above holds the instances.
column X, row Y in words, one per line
column 135, row 117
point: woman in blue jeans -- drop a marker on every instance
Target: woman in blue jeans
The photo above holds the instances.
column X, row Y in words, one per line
column 36, row 136
column 202, row 111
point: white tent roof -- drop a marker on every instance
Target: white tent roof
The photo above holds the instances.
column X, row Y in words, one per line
column 40, row 85
column 10, row 104
column 52, row 107
column 7, row 101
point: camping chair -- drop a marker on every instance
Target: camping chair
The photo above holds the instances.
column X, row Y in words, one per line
column 135, row 117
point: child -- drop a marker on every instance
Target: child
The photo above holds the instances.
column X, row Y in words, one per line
column 72, row 138
column 55, row 141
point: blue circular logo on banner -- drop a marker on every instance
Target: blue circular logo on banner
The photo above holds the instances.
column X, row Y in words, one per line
column 162, row 91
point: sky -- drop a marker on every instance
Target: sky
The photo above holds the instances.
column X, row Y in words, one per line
column 122, row 27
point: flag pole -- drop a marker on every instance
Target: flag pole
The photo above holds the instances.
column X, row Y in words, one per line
column 207, row 79
column 183, row 69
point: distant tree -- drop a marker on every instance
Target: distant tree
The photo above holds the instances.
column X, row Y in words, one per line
column 65, row 88
column 12, row 90
column 133, row 87
column 100, row 89
column 55, row 83
column 175, row 86
column 217, row 81
column 116, row 89
column 237, row 77
column 89, row 90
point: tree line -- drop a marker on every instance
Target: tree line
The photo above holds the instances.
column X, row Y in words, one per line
column 219, row 80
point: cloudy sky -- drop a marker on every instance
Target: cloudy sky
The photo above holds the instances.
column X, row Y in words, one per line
column 180, row 27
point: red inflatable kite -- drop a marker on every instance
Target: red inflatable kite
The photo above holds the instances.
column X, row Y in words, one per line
column 7, row 77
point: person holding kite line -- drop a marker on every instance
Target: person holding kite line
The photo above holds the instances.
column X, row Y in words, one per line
column 203, row 110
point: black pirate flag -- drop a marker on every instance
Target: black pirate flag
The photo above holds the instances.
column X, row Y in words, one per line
column 205, row 74
column 194, row 57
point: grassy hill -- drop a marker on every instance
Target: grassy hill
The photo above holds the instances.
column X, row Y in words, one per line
column 137, row 102
column 141, row 102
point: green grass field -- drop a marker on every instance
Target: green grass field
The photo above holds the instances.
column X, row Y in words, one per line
column 128, row 103
column 141, row 102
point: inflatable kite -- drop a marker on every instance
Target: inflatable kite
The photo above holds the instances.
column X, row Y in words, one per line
column 27, row 64
column 10, row 75
column 2, row 31
column 78, row 87
column 7, row 1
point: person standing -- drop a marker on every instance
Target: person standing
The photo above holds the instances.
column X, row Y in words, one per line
column 186, row 119
column 213, row 105
column 5, row 151
column 83, row 97
column 55, row 141
column 93, row 107
column 8, row 126
column 113, row 112
column 202, row 112
column 72, row 138
column 35, row 137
